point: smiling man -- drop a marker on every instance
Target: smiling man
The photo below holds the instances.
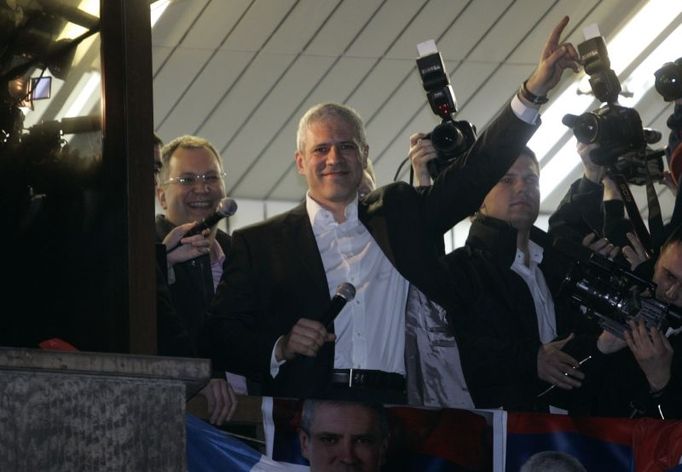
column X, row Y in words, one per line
column 190, row 186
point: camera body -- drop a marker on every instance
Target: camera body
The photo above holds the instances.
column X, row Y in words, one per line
column 450, row 138
column 616, row 129
column 668, row 81
column 611, row 294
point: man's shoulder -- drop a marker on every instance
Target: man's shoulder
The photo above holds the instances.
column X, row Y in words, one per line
column 392, row 193
column 224, row 239
column 266, row 227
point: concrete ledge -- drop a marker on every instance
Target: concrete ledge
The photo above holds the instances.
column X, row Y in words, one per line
column 194, row 373
column 82, row 411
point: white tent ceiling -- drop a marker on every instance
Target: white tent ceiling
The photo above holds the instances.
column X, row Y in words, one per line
column 241, row 72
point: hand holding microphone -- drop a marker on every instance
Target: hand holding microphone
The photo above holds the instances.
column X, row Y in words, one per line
column 226, row 207
column 187, row 247
column 345, row 292
column 308, row 336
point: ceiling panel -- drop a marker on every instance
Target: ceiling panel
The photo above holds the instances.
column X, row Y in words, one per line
column 434, row 18
column 385, row 28
column 350, row 18
column 193, row 103
column 242, row 72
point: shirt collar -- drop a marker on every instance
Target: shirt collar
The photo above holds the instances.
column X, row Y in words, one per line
column 321, row 218
column 217, row 254
column 535, row 253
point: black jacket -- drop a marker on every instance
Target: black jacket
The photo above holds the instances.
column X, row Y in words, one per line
column 495, row 322
column 192, row 291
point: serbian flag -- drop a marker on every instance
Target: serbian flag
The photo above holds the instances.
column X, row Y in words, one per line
column 211, row 450
column 598, row 443
column 657, row 445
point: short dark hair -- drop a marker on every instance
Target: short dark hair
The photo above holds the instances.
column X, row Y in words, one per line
column 310, row 405
column 526, row 151
column 675, row 237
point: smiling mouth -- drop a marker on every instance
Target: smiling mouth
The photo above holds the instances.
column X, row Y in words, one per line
column 200, row 205
column 335, row 174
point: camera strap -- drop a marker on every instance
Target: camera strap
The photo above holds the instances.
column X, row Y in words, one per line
column 655, row 218
column 633, row 212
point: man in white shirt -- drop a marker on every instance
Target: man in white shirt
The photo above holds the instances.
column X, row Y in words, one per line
column 510, row 334
column 268, row 323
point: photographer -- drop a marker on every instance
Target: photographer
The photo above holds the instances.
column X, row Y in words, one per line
column 655, row 386
column 592, row 213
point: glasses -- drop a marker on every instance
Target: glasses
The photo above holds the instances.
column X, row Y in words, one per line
column 191, row 179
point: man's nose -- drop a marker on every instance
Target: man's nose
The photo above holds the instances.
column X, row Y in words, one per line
column 334, row 154
column 521, row 186
column 347, row 452
column 673, row 291
column 201, row 185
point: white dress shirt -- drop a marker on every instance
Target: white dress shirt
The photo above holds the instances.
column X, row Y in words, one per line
column 370, row 330
column 542, row 298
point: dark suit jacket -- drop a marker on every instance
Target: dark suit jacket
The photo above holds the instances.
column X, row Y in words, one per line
column 495, row 321
column 191, row 293
column 275, row 274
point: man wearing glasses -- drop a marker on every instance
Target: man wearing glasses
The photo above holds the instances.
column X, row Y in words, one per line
column 190, row 186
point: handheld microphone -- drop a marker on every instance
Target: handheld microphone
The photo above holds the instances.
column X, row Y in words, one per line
column 226, row 207
column 345, row 292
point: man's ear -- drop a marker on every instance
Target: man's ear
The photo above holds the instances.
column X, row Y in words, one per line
column 161, row 197
column 365, row 155
column 304, row 439
column 298, row 157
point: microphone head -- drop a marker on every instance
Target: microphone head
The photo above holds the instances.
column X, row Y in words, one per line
column 346, row 290
column 227, row 207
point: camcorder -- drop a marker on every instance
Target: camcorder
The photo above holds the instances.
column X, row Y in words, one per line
column 450, row 138
column 668, row 80
column 611, row 294
column 618, row 130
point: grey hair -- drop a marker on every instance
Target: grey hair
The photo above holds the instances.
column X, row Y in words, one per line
column 185, row 142
column 324, row 111
column 310, row 405
column 552, row 461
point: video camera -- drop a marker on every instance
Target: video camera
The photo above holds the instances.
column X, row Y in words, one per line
column 611, row 294
column 618, row 130
column 450, row 138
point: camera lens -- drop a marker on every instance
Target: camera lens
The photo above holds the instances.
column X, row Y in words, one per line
column 447, row 139
column 586, row 128
column 669, row 81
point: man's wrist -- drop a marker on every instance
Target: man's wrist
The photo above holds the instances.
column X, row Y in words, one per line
column 656, row 386
column 532, row 96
